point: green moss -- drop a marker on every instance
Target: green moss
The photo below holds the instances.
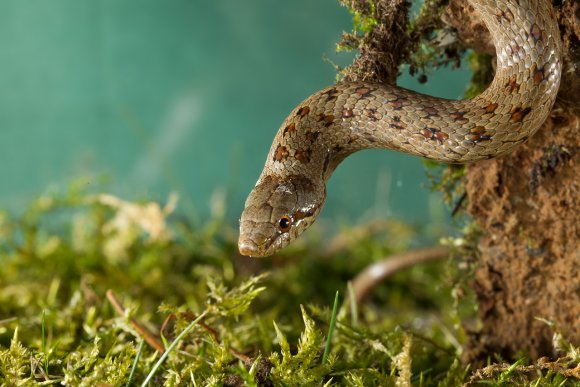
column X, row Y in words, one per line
column 447, row 179
column 480, row 65
column 433, row 46
column 57, row 326
column 364, row 21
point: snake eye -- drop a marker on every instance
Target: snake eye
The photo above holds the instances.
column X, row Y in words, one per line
column 285, row 223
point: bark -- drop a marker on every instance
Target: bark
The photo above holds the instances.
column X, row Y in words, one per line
column 526, row 203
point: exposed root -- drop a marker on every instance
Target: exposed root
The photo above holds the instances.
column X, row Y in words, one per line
column 373, row 275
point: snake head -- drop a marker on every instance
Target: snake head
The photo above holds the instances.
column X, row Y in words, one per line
column 277, row 211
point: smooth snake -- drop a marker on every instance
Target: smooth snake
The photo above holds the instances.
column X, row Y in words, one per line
column 350, row 116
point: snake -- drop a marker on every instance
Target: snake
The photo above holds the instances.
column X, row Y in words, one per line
column 350, row 116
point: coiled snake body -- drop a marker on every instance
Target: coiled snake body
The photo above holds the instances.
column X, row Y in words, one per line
column 347, row 117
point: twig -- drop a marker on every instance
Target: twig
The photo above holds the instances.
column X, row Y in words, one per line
column 213, row 332
column 191, row 316
column 165, row 324
column 369, row 278
column 458, row 204
column 147, row 336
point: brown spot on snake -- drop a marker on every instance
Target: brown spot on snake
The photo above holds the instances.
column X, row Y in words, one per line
column 331, row 94
column 441, row 136
column 514, row 48
column 507, row 15
column 398, row 102
column 518, row 114
column 398, row 124
column 311, row 135
column 303, row 156
column 536, row 33
column 512, row 85
column 427, row 133
column 538, row 74
column 303, row 111
column 281, row 153
column 364, row 92
column 458, row 116
column 328, row 119
column 434, row 134
column 289, row 128
column 431, row 111
column 491, row 107
column 477, row 135
column 371, row 113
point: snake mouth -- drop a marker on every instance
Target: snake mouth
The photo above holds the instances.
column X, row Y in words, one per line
column 248, row 248
column 254, row 243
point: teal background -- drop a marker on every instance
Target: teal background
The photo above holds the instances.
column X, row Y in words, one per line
column 184, row 96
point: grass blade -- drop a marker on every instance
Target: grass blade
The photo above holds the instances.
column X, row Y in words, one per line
column 172, row 347
column 330, row 329
column 134, row 367
column 44, row 343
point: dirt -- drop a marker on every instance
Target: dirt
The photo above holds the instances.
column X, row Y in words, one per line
column 529, row 266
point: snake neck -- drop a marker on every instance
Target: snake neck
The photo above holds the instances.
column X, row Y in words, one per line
column 347, row 117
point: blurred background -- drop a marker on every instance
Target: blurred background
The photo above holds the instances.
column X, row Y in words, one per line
column 182, row 96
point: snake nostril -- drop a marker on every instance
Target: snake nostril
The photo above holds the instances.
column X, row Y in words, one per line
column 248, row 248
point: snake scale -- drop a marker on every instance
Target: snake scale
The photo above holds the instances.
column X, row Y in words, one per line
column 350, row 116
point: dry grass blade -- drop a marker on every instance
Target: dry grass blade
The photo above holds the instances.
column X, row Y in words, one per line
column 147, row 336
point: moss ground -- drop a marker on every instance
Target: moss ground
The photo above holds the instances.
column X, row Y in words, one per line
column 96, row 290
